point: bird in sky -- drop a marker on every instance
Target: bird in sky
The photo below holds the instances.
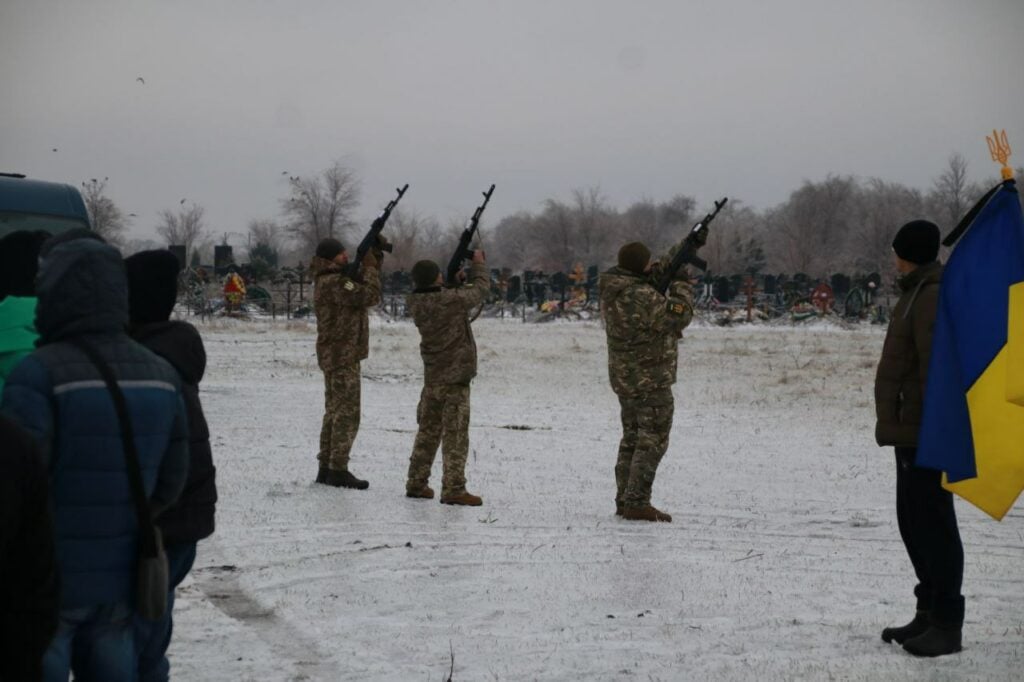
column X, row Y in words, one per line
column 132, row 215
column 54, row 149
column 140, row 79
column 182, row 201
column 284, row 172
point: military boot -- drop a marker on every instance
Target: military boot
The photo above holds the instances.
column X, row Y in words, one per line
column 321, row 475
column 935, row 641
column 344, row 479
column 462, row 498
column 645, row 513
column 909, row 631
column 618, row 508
column 424, row 493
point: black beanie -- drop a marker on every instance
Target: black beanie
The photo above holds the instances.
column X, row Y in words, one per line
column 19, row 261
column 328, row 248
column 424, row 274
column 152, row 285
column 917, row 242
column 634, row 257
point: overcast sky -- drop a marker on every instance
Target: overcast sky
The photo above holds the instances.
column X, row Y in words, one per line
column 745, row 98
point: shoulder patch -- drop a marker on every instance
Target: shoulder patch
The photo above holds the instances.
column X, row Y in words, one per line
column 349, row 286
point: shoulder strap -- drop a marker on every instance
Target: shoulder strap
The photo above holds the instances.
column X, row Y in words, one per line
column 131, row 455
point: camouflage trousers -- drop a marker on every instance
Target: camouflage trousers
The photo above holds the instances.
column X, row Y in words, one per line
column 646, row 422
column 443, row 418
column 341, row 415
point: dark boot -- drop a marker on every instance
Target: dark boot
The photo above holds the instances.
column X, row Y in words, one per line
column 344, row 479
column 645, row 513
column 321, row 475
column 424, row 493
column 618, row 508
column 909, row 631
column 936, row 641
column 462, row 498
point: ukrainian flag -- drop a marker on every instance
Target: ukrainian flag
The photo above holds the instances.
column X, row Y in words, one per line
column 973, row 422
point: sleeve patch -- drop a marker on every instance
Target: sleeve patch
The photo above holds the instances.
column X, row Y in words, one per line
column 349, row 286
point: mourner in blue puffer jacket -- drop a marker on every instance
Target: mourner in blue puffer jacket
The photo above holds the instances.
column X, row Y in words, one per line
column 59, row 397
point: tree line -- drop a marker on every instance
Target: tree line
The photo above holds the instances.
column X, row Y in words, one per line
column 840, row 223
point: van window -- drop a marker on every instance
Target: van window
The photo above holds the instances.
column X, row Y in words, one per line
column 11, row 221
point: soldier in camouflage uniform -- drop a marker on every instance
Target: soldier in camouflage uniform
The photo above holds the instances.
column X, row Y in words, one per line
column 342, row 341
column 643, row 328
column 449, row 364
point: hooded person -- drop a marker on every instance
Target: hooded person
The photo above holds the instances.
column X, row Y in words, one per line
column 59, row 396
column 341, row 303
column 19, row 260
column 643, row 328
column 152, row 293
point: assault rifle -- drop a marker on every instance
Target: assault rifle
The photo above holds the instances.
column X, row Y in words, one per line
column 462, row 251
column 373, row 237
column 687, row 252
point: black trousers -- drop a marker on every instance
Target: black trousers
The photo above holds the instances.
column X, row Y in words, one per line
column 927, row 521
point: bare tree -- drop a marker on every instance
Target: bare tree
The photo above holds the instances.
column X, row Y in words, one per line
column 268, row 233
column 658, row 226
column 735, row 241
column 184, row 226
column 321, row 206
column 106, row 218
column 511, row 241
column 809, row 230
column 555, row 249
column 881, row 208
column 595, row 225
column 415, row 237
column 952, row 193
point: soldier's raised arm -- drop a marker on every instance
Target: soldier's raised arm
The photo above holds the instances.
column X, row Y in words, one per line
column 365, row 294
column 474, row 292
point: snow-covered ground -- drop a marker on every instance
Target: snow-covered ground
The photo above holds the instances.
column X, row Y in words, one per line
column 783, row 561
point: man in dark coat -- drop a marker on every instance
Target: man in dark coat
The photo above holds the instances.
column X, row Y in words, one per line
column 28, row 570
column 152, row 292
column 59, row 396
column 924, row 510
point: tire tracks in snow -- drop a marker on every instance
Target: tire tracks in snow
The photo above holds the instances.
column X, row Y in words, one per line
column 221, row 585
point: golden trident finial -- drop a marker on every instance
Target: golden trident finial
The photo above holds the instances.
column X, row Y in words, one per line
column 999, row 147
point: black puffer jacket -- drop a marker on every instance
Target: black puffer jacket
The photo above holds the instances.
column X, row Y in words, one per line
column 191, row 518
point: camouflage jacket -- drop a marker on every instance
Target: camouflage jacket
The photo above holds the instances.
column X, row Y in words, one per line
column 643, row 329
column 446, row 339
column 342, row 323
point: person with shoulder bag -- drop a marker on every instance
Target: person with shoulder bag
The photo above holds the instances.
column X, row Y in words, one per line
column 108, row 417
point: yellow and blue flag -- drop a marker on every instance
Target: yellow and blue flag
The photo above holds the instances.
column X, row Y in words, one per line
column 973, row 423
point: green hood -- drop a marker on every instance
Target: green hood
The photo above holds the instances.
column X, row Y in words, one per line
column 17, row 332
column 17, row 324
